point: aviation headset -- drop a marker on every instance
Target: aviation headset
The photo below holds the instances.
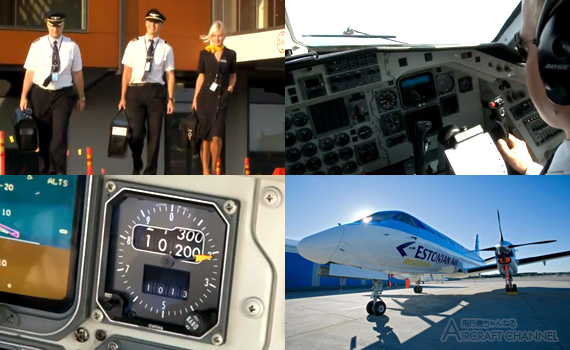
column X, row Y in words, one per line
column 553, row 42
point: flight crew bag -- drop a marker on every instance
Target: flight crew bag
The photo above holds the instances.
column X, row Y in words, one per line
column 26, row 131
column 193, row 144
column 119, row 136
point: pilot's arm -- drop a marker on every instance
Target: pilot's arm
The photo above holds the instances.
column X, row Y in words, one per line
column 518, row 156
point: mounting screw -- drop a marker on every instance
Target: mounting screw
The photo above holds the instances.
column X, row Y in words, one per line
column 111, row 187
column 271, row 197
column 81, row 335
column 113, row 346
column 10, row 319
column 217, row 339
column 100, row 335
column 253, row 307
column 230, row 207
column 97, row 315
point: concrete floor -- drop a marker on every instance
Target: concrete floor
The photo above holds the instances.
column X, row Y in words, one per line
column 334, row 320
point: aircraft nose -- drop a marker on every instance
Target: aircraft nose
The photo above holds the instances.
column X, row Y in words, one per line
column 320, row 246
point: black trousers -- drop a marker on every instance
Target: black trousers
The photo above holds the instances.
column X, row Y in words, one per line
column 146, row 107
column 52, row 110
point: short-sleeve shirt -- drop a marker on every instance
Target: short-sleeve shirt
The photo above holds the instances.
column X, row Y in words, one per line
column 39, row 61
column 209, row 66
column 135, row 57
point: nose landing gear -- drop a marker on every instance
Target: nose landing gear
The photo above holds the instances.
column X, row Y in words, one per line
column 376, row 307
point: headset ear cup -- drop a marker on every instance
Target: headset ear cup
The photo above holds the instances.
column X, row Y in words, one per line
column 554, row 51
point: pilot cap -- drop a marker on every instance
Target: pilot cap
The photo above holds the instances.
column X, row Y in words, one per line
column 55, row 18
column 155, row 16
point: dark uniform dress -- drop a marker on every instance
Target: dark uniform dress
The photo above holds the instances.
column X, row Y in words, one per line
column 212, row 106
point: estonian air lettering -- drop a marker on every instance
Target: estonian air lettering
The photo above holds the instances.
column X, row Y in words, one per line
column 425, row 254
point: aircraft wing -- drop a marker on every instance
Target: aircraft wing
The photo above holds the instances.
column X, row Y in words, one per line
column 524, row 261
column 484, row 268
column 543, row 257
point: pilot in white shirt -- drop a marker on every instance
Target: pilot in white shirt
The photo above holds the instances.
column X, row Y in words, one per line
column 549, row 88
column 143, row 94
column 53, row 66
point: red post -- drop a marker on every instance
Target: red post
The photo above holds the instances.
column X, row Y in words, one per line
column 2, row 154
column 89, row 161
column 246, row 164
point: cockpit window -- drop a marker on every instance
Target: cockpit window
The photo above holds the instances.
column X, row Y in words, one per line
column 406, row 219
column 378, row 217
column 439, row 22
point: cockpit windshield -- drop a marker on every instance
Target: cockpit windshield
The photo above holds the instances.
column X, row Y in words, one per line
column 378, row 217
column 413, row 22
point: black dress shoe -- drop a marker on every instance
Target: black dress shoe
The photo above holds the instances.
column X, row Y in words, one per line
column 136, row 172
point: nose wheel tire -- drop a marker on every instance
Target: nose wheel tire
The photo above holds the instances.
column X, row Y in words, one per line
column 377, row 309
column 418, row 289
column 369, row 308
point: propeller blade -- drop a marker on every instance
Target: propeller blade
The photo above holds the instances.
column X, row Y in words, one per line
column 500, row 230
column 520, row 245
column 491, row 249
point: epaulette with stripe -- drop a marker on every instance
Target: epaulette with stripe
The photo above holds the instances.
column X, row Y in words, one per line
column 35, row 41
column 135, row 39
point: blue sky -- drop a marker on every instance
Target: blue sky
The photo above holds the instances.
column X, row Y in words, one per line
column 533, row 208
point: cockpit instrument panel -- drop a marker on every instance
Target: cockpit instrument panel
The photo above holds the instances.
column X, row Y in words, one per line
column 142, row 262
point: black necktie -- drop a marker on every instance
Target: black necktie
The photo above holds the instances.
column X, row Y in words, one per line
column 149, row 57
column 54, row 63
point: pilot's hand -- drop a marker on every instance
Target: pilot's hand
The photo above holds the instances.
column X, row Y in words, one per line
column 516, row 154
column 170, row 107
column 122, row 104
column 80, row 105
column 23, row 103
column 194, row 105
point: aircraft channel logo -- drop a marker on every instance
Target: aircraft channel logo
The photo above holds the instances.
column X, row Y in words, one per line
column 425, row 256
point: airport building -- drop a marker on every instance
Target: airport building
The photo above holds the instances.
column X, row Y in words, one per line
column 302, row 274
column 103, row 28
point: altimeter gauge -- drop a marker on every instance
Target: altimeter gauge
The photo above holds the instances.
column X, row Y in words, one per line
column 166, row 260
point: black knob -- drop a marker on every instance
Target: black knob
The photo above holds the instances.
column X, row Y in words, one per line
column 342, row 139
column 194, row 323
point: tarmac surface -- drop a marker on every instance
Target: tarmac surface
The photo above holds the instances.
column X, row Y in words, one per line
column 466, row 314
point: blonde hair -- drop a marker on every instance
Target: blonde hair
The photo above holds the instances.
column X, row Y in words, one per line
column 217, row 25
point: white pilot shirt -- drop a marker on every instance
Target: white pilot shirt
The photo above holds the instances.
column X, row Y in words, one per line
column 135, row 57
column 560, row 164
column 39, row 61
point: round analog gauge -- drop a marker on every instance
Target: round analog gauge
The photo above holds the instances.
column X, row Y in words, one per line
column 365, row 132
column 445, row 83
column 335, row 170
column 300, row 119
column 392, row 124
column 309, row 149
column 292, row 155
column 387, row 100
column 287, row 124
column 304, row 134
column 326, row 144
column 289, row 139
column 167, row 261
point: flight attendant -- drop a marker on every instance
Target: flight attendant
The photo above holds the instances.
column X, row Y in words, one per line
column 143, row 92
column 53, row 66
column 216, row 81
